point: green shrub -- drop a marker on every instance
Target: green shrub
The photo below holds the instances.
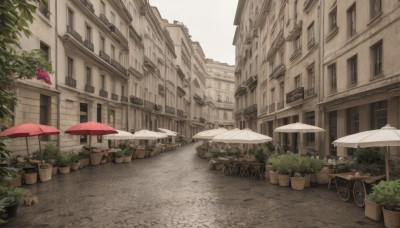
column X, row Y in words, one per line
column 287, row 164
column 387, row 193
column 119, row 154
column 128, row 151
column 84, row 153
column 369, row 160
column 74, row 158
column 51, row 152
column 64, row 160
column 315, row 165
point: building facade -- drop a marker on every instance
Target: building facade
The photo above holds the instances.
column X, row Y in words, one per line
column 117, row 62
column 319, row 62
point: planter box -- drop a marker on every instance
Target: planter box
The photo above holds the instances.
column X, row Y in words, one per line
column 30, row 178
column 283, row 180
column 54, row 170
column 119, row 160
column 297, row 183
column 45, row 174
column 373, row 210
column 323, row 176
column 273, row 177
column 127, row 159
column 391, row 218
column 16, row 182
column 307, row 180
column 75, row 166
column 64, row 170
column 141, row 153
column 95, row 158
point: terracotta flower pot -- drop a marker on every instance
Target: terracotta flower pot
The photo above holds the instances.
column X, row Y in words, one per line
column 119, row 160
column 95, row 158
column 127, row 159
column 86, row 161
column 297, row 183
column 30, row 178
column 141, row 153
column 45, row 174
column 283, row 180
column 373, row 210
column 64, row 170
column 16, row 181
column 323, row 176
column 273, row 177
column 391, row 218
column 54, row 170
column 75, row 166
column 81, row 163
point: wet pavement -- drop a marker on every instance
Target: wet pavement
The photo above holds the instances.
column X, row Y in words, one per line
column 176, row 189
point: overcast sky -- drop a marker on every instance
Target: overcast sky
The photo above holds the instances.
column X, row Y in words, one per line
column 210, row 22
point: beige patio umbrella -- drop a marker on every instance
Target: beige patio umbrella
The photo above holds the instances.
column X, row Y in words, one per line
column 245, row 136
column 385, row 137
column 168, row 132
column 148, row 135
column 299, row 128
column 209, row 134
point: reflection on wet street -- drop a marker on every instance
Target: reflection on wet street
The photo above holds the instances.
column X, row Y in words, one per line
column 176, row 189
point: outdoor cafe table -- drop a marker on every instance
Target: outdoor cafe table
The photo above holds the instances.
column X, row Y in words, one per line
column 359, row 185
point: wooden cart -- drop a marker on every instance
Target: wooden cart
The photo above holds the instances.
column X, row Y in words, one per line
column 359, row 186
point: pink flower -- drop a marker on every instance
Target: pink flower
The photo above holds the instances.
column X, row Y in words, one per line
column 43, row 75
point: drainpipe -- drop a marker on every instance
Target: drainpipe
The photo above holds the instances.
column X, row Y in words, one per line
column 56, row 77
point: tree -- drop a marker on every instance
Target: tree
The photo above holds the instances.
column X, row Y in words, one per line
column 15, row 63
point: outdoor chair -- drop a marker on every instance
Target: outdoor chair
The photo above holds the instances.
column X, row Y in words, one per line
column 257, row 170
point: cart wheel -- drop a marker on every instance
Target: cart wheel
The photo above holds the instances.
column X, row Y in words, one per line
column 359, row 193
column 344, row 194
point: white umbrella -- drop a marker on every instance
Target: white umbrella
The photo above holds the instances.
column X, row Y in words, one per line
column 384, row 137
column 242, row 136
column 299, row 128
column 120, row 135
column 209, row 134
column 168, row 132
column 148, row 135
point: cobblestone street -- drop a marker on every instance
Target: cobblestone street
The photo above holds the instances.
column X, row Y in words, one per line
column 176, row 189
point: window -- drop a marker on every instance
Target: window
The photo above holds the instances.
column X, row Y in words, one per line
column 70, row 67
column 310, row 119
column 44, row 9
column 114, row 85
column 88, row 76
column 281, row 92
column 376, row 59
column 295, row 10
column 88, row 34
column 70, row 18
column 311, row 77
column 351, row 21
column 375, row 8
column 333, row 19
column 112, row 51
column 332, row 77
column 352, row 70
column 102, row 44
column 225, row 115
column 103, row 82
column 297, row 82
column 122, row 91
column 378, row 114
column 332, row 131
column 273, row 96
column 46, row 49
column 111, row 117
column 311, row 38
column 45, row 106
column 352, row 118
column 297, row 43
column 120, row 57
column 282, row 57
column 83, row 117
column 112, row 18
column 102, row 8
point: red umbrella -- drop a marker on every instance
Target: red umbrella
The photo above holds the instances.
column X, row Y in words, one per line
column 29, row 129
column 91, row 128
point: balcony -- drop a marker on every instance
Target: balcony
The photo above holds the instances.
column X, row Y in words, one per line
column 149, row 105
column 114, row 97
column 88, row 45
column 276, row 44
column 149, row 64
column 181, row 113
column 89, row 88
column 251, row 82
column 271, row 108
column 124, row 99
column 296, row 31
column 71, row 82
column 296, row 53
column 136, row 100
column 158, row 108
column 169, row 110
column 104, row 56
column 74, row 33
column 264, row 109
column 278, row 71
column 104, row 19
column 202, row 120
column 239, row 112
column 161, row 89
column 280, row 105
column 198, row 99
column 241, row 89
column 44, row 10
column 119, row 67
column 308, row 5
column 295, row 95
column 311, row 43
column 249, row 110
column 225, row 105
column 118, row 33
column 310, row 92
column 180, row 91
column 103, row 93
column 88, row 5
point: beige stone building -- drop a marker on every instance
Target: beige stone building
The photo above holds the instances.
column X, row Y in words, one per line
column 116, row 62
column 220, row 85
column 326, row 63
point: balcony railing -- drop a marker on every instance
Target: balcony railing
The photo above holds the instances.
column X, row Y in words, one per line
column 202, row 120
column 311, row 43
column 74, row 33
column 180, row 91
column 307, row 5
column 161, row 89
column 296, row 53
column 271, row 108
column 264, row 109
column 118, row 33
column 114, row 97
column 181, row 113
column 103, row 93
column 309, row 92
column 104, row 19
column 104, row 56
column 251, row 109
column 71, row 82
column 89, row 88
column 149, row 105
column 118, row 66
column 169, row 110
column 44, row 10
column 124, row 99
column 136, row 100
column 280, row 105
column 158, row 108
column 295, row 95
column 88, row 45
column 252, row 82
column 278, row 71
column 198, row 99
column 296, row 31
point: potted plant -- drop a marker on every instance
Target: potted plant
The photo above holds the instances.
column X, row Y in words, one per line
column 285, row 167
column 387, row 193
column 305, row 170
column 16, row 177
column 64, row 163
column 84, row 158
column 30, row 174
column 74, row 159
column 95, row 158
column 50, row 155
column 128, row 155
column 119, row 157
column 11, row 198
column 273, row 174
column 45, row 171
column 298, row 180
